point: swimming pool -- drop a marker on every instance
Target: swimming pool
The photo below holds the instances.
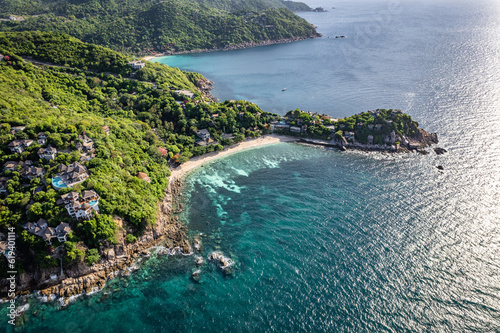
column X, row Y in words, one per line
column 58, row 183
column 93, row 202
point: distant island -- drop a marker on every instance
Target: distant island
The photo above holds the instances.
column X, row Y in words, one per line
column 88, row 139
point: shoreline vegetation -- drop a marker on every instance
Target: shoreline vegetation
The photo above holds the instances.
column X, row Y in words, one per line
column 243, row 46
column 136, row 128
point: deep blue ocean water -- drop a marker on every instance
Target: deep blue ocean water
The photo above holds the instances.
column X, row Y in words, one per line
column 325, row 241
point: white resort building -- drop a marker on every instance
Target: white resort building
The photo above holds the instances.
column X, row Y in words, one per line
column 81, row 207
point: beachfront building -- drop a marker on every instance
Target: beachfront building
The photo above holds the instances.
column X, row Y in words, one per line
column 18, row 146
column 295, row 129
column 137, row 64
column 280, row 127
column 69, row 176
column 203, row 134
column 349, row 135
column 48, row 153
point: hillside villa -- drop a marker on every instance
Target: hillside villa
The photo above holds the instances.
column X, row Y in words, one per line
column 41, row 229
column 81, row 206
column 18, row 146
column 48, row 153
column 69, row 176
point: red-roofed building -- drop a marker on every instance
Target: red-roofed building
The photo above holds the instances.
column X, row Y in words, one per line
column 143, row 176
column 106, row 130
column 163, row 151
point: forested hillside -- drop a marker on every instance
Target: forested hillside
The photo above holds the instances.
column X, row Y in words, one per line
column 297, row 6
column 140, row 27
column 137, row 126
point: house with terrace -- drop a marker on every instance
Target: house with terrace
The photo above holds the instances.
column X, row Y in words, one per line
column 81, row 206
column 349, row 135
column 48, row 153
column 85, row 157
column 86, row 143
column 41, row 138
column 186, row 93
column 203, row 134
column 137, row 64
column 69, row 175
column 13, row 165
column 18, row 146
column 41, row 229
column 32, row 172
column 16, row 129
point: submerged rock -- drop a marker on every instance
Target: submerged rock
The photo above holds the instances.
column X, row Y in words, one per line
column 222, row 261
column 199, row 261
column 440, row 151
column 196, row 276
column 197, row 244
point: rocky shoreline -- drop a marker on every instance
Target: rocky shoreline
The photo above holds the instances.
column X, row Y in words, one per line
column 117, row 259
column 239, row 46
column 204, row 85
column 417, row 143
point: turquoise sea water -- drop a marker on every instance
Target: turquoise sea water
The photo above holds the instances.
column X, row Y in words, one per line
column 325, row 241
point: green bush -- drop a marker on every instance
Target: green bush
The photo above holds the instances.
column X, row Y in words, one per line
column 131, row 238
column 92, row 257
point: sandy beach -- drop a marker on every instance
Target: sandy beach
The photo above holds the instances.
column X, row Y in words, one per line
column 150, row 57
column 247, row 144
